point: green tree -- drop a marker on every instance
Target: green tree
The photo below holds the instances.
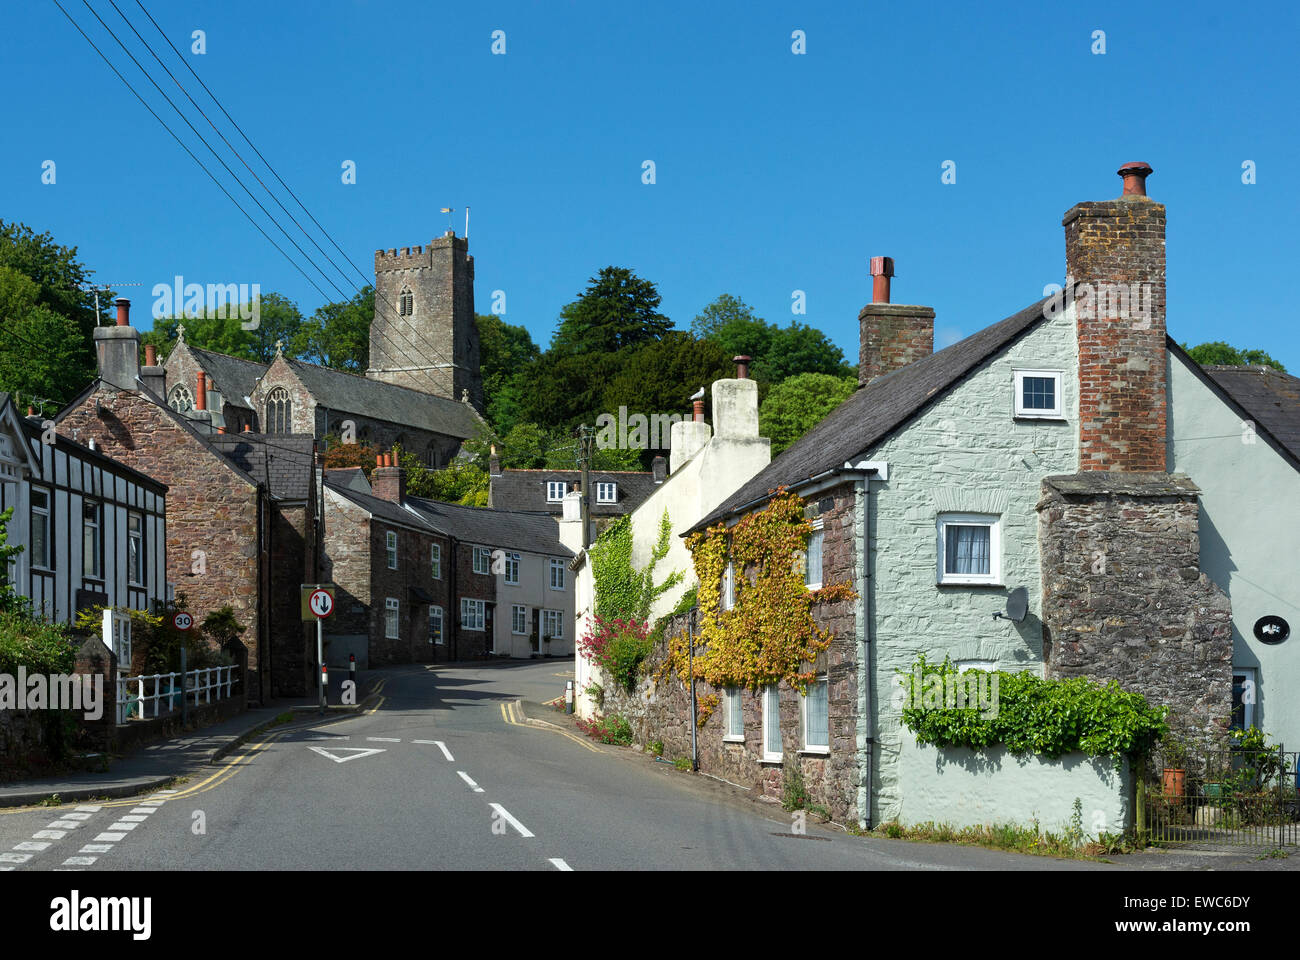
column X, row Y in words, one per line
column 337, row 335
column 461, row 482
column 207, row 333
column 777, row 352
column 278, row 319
column 617, row 310
column 41, row 352
column 524, row 447
column 504, row 350
column 62, row 280
column 1216, row 352
column 796, row 405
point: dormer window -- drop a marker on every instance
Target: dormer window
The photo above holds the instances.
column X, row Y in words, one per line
column 406, row 302
column 607, row 493
column 179, row 399
column 1038, row 394
column 555, row 490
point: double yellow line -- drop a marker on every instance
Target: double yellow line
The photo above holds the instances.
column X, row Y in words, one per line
column 513, row 714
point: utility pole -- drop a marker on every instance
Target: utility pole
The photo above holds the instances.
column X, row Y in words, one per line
column 585, row 442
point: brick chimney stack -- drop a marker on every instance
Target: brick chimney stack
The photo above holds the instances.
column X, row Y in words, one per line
column 891, row 335
column 387, row 480
column 1115, row 257
column 117, row 349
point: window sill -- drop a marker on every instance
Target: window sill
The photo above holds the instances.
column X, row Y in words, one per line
column 771, row 760
column 1058, row 417
column 815, row 752
column 973, row 583
column 733, row 739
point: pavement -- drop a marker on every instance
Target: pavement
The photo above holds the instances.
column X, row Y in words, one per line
column 462, row 767
column 157, row 764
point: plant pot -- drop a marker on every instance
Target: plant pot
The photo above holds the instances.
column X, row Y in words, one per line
column 1212, row 790
column 1174, row 781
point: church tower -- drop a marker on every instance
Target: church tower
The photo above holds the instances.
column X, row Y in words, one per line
column 423, row 335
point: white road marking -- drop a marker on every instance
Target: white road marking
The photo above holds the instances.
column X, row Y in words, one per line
column 161, row 793
column 120, row 825
column 561, row 865
column 504, row 814
column 50, row 834
column 77, row 816
column 15, row 857
column 384, row 739
column 91, row 808
column 144, row 810
column 473, row 786
column 65, row 824
column 79, row 861
column 96, row 848
column 331, row 736
column 443, row 747
column 33, row 845
column 354, row 752
column 137, row 818
column 112, row 837
column 152, row 803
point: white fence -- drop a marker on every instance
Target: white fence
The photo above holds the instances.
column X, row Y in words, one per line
column 163, row 691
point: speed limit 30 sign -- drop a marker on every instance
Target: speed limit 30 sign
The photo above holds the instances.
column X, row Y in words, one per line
column 182, row 620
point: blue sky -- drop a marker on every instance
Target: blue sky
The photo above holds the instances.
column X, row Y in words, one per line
column 775, row 172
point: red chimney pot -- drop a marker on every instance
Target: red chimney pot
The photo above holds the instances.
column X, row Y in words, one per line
column 698, row 413
column 123, row 311
column 201, row 400
column 1135, row 178
column 742, row 367
column 150, row 355
column 882, row 268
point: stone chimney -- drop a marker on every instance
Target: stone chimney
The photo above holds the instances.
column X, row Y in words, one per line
column 387, row 480
column 494, row 462
column 1115, row 272
column 117, row 349
column 153, row 375
column 891, row 335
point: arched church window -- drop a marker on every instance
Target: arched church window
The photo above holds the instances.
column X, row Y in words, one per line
column 279, row 411
column 179, row 399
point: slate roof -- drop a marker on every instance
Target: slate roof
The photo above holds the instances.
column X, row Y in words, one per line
column 531, row 532
column 354, row 478
column 282, row 461
column 378, row 507
column 526, row 490
column 236, row 378
column 875, row 411
column 353, row 393
column 1270, row 397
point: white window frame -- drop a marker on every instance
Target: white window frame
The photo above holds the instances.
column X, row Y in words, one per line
column 435, row 561
column 392, row 618
column 555, row 617
column 390, row 548
column 809, row 747
column 728, row 598
column 478, row 608
column 991, row 520
column 1037, row 414
column 771, row 713
column 435, row 617
column 817, row 536
column 512, row 565
column 606, row 492
column 485, row 555
column 555, row 490
column 556, row 567
column 136, row 573
column 1251, row 674
column 518, row 618
column 731, row 701
column 94, row 526
column 46, row 562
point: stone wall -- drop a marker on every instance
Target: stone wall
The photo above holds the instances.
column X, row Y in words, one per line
column 661, row 711
column 1124, row 598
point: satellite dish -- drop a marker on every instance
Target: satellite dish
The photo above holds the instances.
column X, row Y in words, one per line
column 1017, row 606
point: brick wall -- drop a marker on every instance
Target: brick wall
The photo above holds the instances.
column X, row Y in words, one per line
column 892, row 335
column 1117, row 247
column 1124, row 598
column 210, row 508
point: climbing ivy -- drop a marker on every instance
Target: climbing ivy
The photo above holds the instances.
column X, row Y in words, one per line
column 623, row 592
column 769, row 633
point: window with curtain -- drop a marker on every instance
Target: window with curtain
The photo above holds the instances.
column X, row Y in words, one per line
column 969, row 548
column 279, row 411
column 729, row 586
column 813, row 564
column 41, row 529
column 734, row 714
column 435, row 625
column 390, row 618
column 816, row 723
column 771, row 723
column 92, row 541
column 135, row 548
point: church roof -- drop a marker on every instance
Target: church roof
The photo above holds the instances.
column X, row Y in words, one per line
column 352, row 393
column 235, row 377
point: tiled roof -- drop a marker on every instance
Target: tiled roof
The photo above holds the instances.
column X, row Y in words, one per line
column 281, row 461
column 526, row 490
column 877, row 410
column 236, row 378
column 1270, row 397
column 531, row 532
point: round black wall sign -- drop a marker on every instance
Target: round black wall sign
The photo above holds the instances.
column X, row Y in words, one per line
column 1271, row 629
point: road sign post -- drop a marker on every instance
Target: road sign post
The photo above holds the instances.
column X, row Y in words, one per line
column 182, row 621
column 320, row 603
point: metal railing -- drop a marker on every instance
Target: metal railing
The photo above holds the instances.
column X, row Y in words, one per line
column 134, row 697
column 1236, row 798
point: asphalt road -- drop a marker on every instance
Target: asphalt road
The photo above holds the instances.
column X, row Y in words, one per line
column 441, row 774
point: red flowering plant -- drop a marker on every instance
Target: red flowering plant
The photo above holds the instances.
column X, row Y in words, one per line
column 618, row 647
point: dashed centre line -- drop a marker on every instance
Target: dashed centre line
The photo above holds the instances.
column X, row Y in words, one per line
column 504, row 814
column 472, row 785
column 560, row 865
